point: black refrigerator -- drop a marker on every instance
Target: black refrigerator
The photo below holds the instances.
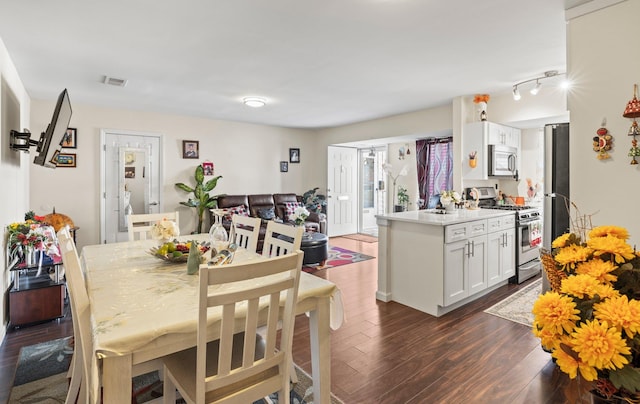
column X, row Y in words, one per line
column 556, row 182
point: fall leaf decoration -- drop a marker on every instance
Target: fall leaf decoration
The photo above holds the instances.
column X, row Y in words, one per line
column 603, row 142
column 481, row 98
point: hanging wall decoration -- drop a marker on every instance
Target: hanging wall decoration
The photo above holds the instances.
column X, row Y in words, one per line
column 473, row 162
column 633, row 111
column 603, row 142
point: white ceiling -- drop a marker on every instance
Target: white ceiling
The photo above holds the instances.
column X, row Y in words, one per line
column 318, row 63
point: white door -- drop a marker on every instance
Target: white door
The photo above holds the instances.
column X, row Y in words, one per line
column 131, row 180
column 342, row 191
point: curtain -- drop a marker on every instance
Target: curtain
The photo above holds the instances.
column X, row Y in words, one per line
column 434, row 158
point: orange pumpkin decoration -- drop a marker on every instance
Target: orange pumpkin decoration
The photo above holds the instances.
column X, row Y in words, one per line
column 58, row 220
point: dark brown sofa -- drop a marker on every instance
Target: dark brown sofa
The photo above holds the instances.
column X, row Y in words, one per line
column 268, row 207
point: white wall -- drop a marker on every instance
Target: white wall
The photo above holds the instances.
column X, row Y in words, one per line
column 14, row 107
column 604, row 64
column 246, row 155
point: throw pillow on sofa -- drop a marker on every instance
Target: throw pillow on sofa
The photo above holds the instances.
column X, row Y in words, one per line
column 289, row 208
column 266, row 213
column 236, row 210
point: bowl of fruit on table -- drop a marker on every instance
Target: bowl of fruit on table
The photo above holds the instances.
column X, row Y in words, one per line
column 174, row 251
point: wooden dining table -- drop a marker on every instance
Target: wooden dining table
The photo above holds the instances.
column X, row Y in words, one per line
column 144, row 308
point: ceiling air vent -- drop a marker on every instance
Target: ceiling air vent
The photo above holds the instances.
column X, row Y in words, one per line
column 113, row 81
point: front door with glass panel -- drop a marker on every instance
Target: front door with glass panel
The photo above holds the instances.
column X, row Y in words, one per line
column 372, row 189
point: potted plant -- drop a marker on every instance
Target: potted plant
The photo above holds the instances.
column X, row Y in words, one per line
column 202, row 201
column 314, row 202
column 403, row 200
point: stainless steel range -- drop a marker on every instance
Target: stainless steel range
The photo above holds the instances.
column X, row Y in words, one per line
column 528, row 233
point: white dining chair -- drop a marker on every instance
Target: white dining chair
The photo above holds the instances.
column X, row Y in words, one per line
column 241, row 366
column 80, row 314
column 246, row 231
column 140, row 225
column 281, row 239
column 81, row 363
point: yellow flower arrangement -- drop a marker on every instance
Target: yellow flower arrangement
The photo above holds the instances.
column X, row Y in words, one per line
column 591, row 325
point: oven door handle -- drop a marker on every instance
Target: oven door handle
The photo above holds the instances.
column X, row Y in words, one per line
column 534, row 263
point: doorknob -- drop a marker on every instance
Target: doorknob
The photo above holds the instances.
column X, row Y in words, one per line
column 153, row 204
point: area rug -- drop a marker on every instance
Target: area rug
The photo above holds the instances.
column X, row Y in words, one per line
column 517, row 307
column 337, row 257
column 362, row 237
column 41, row 377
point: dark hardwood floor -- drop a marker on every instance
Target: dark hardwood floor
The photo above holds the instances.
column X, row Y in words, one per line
column 25, row 336
column 389, row 353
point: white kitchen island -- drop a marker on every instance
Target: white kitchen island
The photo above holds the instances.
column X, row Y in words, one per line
column 436, row 263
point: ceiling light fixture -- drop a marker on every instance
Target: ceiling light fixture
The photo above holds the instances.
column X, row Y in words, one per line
column 254, row 102
column 516, row 93
column 536, row 89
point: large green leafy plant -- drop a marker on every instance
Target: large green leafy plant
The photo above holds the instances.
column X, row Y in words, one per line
column 314, row 202
column 202, row 201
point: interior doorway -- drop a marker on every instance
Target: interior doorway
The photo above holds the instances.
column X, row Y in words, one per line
column 372, row 189
column 131, row 180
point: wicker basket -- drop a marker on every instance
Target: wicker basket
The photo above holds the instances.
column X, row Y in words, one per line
column 554, row 274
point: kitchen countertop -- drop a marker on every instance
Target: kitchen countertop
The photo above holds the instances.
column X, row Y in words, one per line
column 429, row 216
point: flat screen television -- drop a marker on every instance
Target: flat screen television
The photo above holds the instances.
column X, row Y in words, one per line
column 50, row 140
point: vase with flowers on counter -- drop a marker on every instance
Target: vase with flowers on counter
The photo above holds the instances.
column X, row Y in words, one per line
column 449, row 199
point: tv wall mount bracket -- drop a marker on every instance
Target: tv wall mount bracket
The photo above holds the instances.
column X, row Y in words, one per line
column 21, row 141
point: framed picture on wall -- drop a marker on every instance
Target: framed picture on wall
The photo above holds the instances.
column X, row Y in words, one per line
column 129, row 172
column 66, row 160
column 69, row 140
column 190, row 149
column 294, row 155
column 207, row 168
column 284, row 166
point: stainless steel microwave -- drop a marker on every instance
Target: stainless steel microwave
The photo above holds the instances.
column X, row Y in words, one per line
column 503, row 161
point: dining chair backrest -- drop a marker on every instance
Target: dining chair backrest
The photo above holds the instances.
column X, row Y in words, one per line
column 140, row 225
column 247, row 231
column 281, row 239
column 83, row 357
column 259, row 299
column 80, row 312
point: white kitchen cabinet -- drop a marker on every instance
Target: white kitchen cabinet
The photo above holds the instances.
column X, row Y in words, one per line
column 465, row 261
column 455, row 266
column 504, row 135
column 501, row 260
column 435, row 263
column 476, row 137
column 477, row 264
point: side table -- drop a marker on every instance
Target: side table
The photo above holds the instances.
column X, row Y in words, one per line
column 35, row 295
column 315, row 247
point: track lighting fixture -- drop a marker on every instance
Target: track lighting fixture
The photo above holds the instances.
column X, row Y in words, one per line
column 536, row 89
column 516, row 93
